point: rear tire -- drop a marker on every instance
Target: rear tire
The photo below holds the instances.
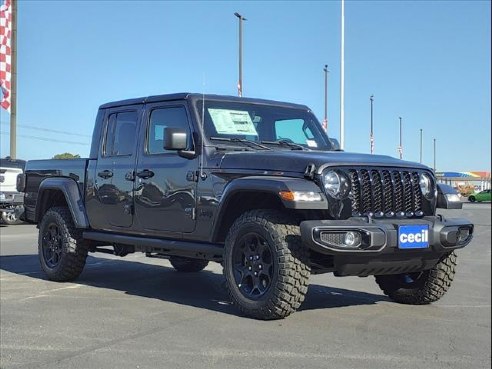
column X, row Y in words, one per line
column 62, row 250
column 471, row 198
column 187, row 265
column 420, row 288
column 265, row 265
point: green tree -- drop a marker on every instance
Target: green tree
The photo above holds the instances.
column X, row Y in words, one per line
column 66, row 155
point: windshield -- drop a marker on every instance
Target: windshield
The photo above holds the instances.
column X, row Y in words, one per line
column 273, row 126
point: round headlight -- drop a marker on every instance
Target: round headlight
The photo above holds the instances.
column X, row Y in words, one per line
column 425, row 184
column 336, row 184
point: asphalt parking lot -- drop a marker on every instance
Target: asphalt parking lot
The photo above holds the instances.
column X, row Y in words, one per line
column 136, row 312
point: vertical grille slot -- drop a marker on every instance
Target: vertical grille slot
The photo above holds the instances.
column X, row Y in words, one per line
column 366, row 191
column 355, row 190
column 377, row 191
column 408, row 191
column 388, row 192
column 398, row 191
column 417, row 194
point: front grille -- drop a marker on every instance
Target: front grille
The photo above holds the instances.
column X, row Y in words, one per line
column 385, row 192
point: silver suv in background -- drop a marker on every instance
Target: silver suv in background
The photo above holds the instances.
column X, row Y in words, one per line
column 11, row 201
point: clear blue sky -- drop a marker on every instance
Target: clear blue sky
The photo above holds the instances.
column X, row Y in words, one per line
column 426, row 61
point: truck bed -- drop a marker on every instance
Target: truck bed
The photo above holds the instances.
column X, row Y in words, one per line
column 38, row 170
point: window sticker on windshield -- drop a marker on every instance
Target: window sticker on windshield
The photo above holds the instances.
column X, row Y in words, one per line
column 232, row 122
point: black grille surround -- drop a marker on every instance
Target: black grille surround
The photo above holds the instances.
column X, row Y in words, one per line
column 388, row 192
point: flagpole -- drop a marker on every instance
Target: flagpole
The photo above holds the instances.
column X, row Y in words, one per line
column 13, row 101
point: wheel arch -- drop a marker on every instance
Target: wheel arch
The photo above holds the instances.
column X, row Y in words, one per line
column 250, row 193
column 61, row 192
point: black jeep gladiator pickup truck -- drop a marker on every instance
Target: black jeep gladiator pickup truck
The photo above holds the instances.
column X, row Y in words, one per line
column 253, row 184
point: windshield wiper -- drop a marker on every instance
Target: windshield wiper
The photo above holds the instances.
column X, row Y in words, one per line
column 249, row 143
column 286, row 143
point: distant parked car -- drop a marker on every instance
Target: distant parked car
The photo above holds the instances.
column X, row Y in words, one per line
column 481, row 196
column 11, row 201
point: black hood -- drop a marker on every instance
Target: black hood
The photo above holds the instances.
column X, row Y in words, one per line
column 296, row 161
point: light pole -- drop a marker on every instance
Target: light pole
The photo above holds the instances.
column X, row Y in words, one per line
column 325, row 121
column 342, row 77
column 240, row 82
column 371, row 137
column 400, row 148
column 420, row 145
column 434, row 156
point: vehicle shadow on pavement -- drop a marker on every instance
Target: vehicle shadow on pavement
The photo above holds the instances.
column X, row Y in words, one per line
column 205, row 289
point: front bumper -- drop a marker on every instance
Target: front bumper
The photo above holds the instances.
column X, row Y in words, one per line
column 378, row 252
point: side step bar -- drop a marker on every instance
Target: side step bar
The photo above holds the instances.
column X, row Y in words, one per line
column 198, row 250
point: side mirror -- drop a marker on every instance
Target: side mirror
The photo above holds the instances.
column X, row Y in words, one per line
column 448, row 197
column 175, row 139
column 335, row 145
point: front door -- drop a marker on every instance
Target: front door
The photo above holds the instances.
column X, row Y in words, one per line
column 165, row 198
column 114, row 177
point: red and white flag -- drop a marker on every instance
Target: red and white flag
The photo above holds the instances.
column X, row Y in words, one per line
column 6, row 53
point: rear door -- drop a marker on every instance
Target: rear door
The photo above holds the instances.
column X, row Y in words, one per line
column 114, row 177
column 165, row 187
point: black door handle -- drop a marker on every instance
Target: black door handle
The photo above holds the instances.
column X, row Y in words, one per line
column 144, row 174
column 105, row 174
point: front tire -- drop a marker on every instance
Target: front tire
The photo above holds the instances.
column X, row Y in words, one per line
column 187, row 265
column 471, row 198
column 420, row 288
column 265, row 265
column 62, row 250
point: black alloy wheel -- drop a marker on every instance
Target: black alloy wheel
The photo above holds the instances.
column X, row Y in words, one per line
column 253, row 265
column 52, row 245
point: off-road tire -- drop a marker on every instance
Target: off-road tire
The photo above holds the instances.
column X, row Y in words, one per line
column 428, row 287
column 187, row 265
column 57, row 229
column 289, row 272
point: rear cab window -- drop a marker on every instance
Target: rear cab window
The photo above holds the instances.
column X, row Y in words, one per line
column 120, row 138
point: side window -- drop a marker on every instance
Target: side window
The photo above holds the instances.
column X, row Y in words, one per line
column 121, row 134
column 294, row 130
column 161, row 118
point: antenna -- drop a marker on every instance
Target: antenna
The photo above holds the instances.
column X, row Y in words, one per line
column 203, row 175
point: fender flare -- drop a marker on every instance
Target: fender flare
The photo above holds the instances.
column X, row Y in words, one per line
column 74, row 199
column 270, row 185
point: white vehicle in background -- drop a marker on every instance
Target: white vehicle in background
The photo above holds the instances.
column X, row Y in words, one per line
column 11, row 201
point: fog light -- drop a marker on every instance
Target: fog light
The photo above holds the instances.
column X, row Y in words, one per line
column 352, row 239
